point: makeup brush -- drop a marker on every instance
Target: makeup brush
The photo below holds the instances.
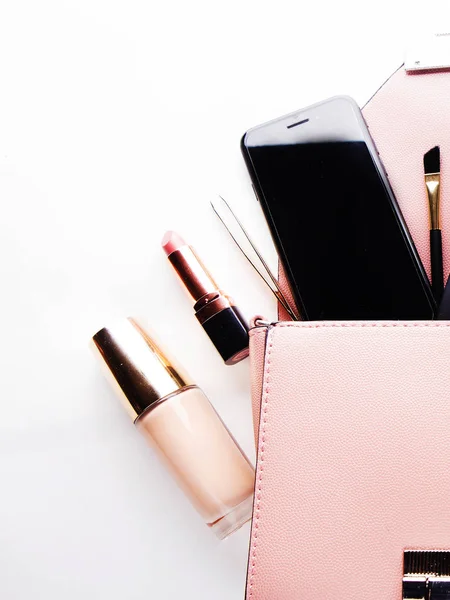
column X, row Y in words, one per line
column 432, row 167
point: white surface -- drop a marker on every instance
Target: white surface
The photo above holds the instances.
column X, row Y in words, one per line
column 119, row 120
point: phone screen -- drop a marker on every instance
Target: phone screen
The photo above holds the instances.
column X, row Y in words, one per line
column 334, row 219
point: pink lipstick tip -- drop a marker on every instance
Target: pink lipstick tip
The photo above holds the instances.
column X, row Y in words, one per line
column 171, row 242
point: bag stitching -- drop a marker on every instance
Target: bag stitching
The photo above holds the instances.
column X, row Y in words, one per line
column 260, row 469
column 306, row 325
column 260, row 330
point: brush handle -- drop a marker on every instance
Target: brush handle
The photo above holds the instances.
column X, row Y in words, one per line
column 437, row 270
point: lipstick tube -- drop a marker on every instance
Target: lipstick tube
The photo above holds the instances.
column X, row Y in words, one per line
column 215, row 311
column 179, row 422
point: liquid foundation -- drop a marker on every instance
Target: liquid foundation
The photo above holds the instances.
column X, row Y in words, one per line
column 179, row 422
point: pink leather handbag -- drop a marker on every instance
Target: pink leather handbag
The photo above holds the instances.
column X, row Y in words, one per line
column 353, row 456
column 352, row 419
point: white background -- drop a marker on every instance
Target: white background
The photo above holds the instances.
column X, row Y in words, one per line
column 119, row 120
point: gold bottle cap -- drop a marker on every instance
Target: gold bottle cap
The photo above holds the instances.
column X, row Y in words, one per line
column 137, row 367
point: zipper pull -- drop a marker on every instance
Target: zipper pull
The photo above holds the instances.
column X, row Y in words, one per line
column 259, row 321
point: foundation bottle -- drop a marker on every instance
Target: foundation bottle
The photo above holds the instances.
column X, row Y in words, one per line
column 180, row 423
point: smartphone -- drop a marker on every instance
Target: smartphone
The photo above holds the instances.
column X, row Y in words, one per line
column 333, row 216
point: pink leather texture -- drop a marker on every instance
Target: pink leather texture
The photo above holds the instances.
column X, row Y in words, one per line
column 283, row 315
column 407, row 117
column 353, row 457
column 257, row 345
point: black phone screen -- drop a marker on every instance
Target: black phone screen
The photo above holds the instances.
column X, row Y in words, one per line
column 337, row 229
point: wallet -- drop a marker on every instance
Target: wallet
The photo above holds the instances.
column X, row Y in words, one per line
column 352, row 419
column 353, row 456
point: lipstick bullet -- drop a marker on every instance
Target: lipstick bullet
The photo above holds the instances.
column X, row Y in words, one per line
column 215, row 311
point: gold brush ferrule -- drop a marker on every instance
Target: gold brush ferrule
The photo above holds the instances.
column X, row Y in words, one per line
column 432, row 183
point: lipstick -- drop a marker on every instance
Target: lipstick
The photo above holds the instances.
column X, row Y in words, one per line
column 215, row 311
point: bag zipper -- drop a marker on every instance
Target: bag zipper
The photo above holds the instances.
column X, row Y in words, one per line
column 263, row 323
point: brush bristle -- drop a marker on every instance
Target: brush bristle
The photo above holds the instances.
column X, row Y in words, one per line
column 432, row 160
